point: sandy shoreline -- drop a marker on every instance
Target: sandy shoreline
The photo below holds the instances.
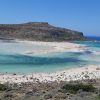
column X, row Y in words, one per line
column 40, row 48
column 53, row 47
column 85, row 72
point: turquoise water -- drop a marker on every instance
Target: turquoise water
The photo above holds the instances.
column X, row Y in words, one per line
column 93, row 56
column 13, row 59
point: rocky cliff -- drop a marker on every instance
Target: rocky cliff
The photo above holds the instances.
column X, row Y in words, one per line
column 38, row 31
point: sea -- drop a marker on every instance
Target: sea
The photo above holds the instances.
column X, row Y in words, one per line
column 14, row 60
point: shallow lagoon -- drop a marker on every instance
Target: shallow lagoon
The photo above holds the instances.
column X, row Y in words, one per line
column 13, row 58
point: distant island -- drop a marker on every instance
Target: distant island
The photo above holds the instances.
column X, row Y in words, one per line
column 38, row 31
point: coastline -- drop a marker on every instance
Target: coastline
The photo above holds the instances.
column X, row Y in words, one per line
column 80, row 73
column 72, row 74
column 53, row 47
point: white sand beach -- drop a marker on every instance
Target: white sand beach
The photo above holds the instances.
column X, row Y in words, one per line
column 53, row 47
column 37, row 48
column 85, row 72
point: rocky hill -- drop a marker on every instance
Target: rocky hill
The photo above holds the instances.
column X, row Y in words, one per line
column 38, row 31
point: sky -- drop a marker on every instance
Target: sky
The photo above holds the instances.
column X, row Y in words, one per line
column 80, row 15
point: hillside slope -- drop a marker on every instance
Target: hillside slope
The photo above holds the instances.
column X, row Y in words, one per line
column 38, row 31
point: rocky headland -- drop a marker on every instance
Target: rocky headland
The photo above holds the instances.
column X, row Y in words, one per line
column 38, row 31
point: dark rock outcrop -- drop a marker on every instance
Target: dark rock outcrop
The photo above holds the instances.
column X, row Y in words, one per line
column 38, row 31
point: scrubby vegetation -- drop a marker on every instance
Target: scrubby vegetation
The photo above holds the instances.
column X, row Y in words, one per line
column 74, row 88
column 3, row 87
column 98, row 97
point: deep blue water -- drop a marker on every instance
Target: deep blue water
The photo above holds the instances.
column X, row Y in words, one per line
column 93, row 38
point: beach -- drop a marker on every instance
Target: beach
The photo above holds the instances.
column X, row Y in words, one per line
column 63, row 63
column 53, row 47
column 83, row 73
column 79, row 73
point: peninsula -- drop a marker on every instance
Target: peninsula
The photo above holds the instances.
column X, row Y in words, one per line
column 38, row 31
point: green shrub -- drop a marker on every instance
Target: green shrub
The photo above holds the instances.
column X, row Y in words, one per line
column 3, row 87
column 98, row 97
column 73, row 88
